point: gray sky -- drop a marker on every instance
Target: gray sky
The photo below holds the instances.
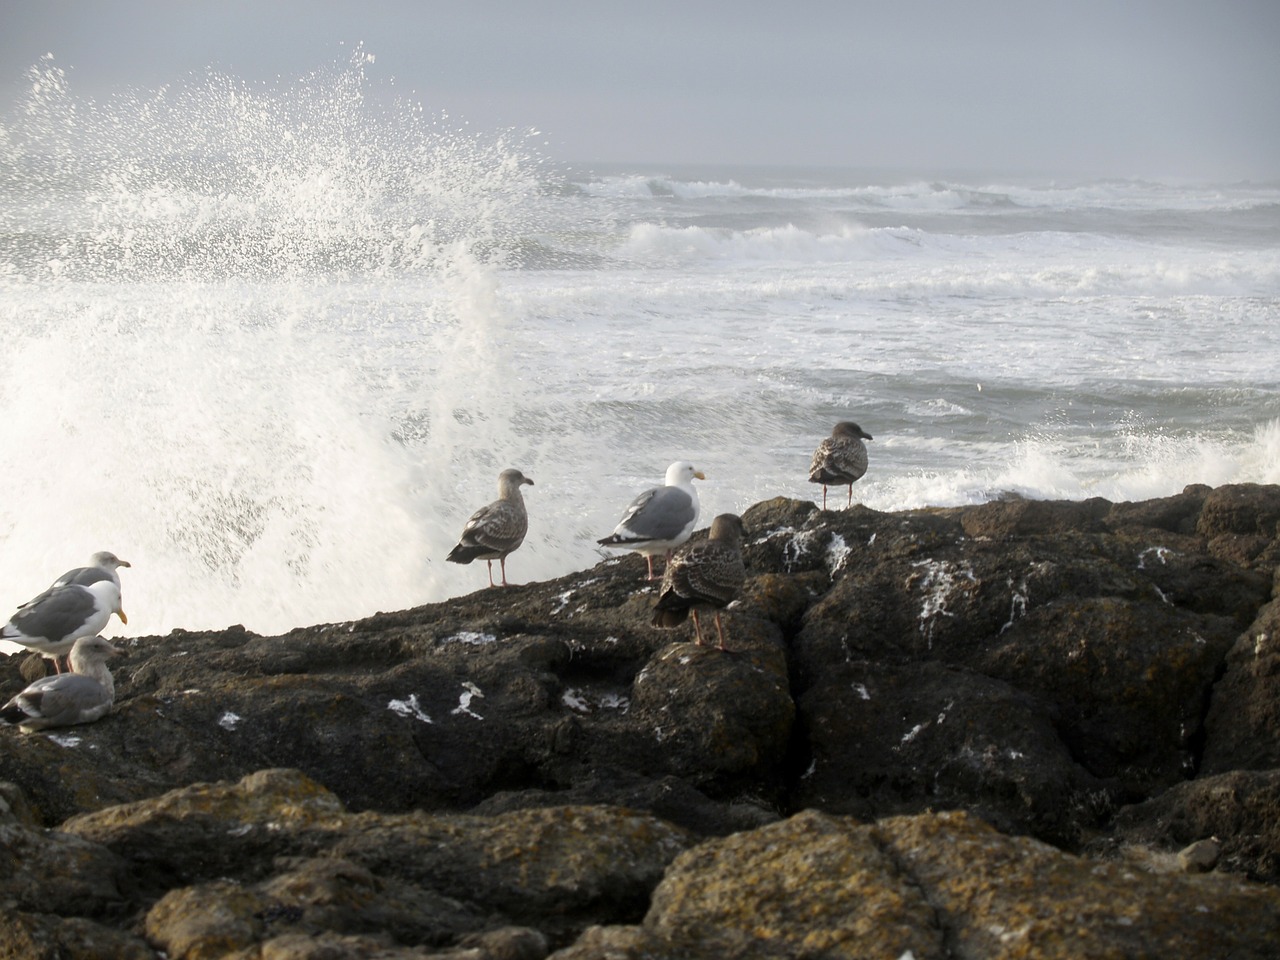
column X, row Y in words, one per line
column 1159, row 88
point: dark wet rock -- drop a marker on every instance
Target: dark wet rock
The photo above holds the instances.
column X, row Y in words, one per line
column 1176, row 514
column 1244, row 713
column 1239, row 523
column 876, row 732
column 59, row 873
column 1240, row 811
column 1001, row 519
column 36, row 936
column 1101, row 677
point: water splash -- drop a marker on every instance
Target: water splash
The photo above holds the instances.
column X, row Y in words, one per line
column 256, row 343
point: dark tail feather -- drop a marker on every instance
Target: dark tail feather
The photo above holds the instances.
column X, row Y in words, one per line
column 464, row 553
column 13, row 714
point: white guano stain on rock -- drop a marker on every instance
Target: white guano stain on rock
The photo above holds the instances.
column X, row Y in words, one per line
column 469, row 692
column 409, row 708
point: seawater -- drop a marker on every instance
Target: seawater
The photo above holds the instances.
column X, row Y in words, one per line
column 273, row 344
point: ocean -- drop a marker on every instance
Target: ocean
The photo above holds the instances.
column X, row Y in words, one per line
column 272, row 344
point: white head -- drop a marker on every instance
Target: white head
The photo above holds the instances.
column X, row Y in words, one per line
column 683, row 473
column 107, row 560
column 108, row 595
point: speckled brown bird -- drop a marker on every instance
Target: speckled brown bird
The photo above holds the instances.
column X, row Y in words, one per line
column 703, row 576
column 840, row 460
column 496, row 530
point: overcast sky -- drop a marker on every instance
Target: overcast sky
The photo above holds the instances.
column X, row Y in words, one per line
column 1158, row 88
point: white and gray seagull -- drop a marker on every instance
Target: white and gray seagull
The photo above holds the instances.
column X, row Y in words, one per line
column 661, row 518
column 52, row 622
column 81, row 696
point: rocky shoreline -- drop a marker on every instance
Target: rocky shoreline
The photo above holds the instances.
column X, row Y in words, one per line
column 1020, row 729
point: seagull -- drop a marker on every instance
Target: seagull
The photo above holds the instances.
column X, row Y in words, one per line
column 840, row 460
column 497, row 529
column 81, row 696
column 102, row 566
column 661, row 518
column 706, row 575
column 52, row 622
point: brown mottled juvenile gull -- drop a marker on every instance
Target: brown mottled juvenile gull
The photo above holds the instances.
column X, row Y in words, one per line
column 497, row 529
column 661, row 518
column 52, row 622
column 703, row 576
column 840, row 460
column 81, row 696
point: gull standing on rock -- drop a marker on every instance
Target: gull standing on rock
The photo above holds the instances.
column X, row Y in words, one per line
column 497, row 529
column 661, row 518
column 703, row 576
column 840, row 460
column 81, row 696
column 52, row 622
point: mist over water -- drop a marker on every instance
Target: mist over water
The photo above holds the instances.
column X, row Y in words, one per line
column 273, row 344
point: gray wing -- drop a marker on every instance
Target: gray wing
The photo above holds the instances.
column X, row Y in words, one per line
column 83, row 576
column 60, row 701
column 658, row 514
column 55, row 614
column 78, row 575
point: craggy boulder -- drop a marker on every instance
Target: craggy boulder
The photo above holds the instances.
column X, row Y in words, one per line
column 899, row 738
column 1244, row 714
column 930, row 887
column 1239, row 811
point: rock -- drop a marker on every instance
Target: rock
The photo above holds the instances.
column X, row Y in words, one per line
column 309, row 898
column 1002, row 896
column 59, row 874
column 1201, row 857
column 1240, row 809
column 888, row 739
column 936, row 885
column 1244, row 712
column 517, row 770
column 771, row 890
column 1176, row 514
column 234, row 864
column 39, row 936
column 1022, row 518
column 716, row 716
column 1239, row 522
column 206, row 922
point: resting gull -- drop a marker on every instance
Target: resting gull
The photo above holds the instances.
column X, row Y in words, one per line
column 840, row 460
column 497, row 529
column 81, row 696
column 706, row 575
column 52, row 622
column 661, row 518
